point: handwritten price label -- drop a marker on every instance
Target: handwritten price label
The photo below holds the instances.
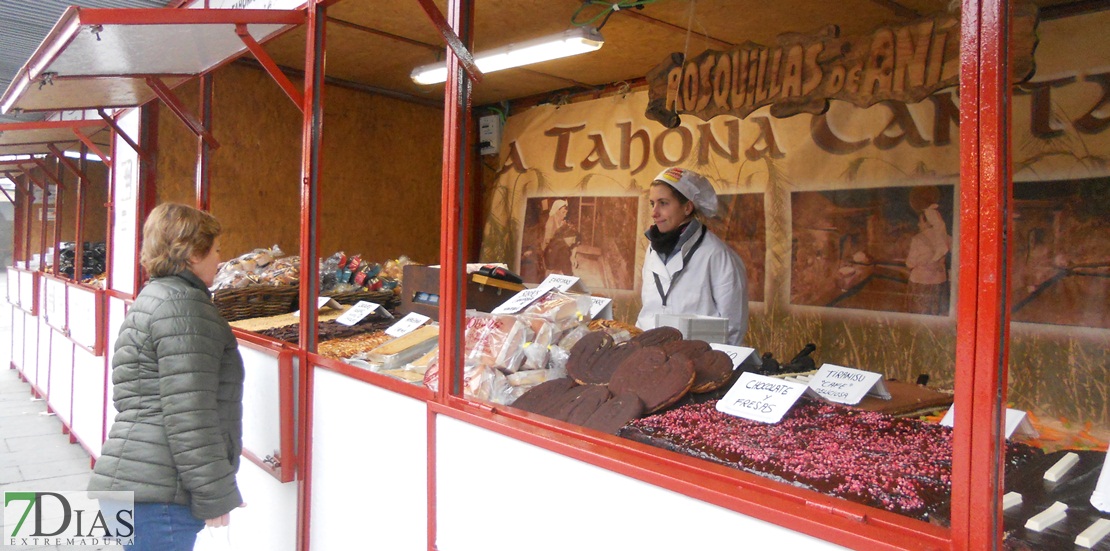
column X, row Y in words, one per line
column 407, row 325
column 759, row 398
column 357, row 312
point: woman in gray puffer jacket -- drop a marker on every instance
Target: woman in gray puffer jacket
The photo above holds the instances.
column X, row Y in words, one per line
column 178, row 388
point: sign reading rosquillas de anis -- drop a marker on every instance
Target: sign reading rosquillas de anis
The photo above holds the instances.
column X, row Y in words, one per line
column 801, row 73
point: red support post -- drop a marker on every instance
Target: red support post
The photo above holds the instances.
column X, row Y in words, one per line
column 458, row 46
column 457, row 126
column 58, row 211
column 311, row 168
column 79, row 230
column 204, row 153
column 982, row 317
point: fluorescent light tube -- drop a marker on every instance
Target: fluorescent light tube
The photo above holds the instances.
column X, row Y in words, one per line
column 575, row 41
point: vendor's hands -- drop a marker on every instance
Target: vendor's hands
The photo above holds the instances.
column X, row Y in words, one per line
column 222, row 520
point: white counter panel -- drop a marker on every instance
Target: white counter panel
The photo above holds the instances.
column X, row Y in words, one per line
column 494, row 493
column 369, row 467
column 117, row 309
column 269, row 521
column 88, row 399
column 18, row 345
column 60, row 392
column 261, row 402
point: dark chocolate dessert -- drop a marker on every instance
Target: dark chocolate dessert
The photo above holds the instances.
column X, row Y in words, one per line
column 900, row 465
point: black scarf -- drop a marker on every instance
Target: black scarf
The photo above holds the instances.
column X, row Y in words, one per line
column 664, row 242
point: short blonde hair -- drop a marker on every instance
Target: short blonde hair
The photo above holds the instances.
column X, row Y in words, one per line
column 173, row 234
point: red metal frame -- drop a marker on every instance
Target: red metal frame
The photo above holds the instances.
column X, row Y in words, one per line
column 311, row 161
column 93, row 146
column 100, row 308
column 417, row 392
column 457, row 124
column 456, row 45
column 63, row 328
column 170, row 100
column 982, row 313
column 204, row 152
column 287, row 470
column 118, row 132
column 270, row 67
column 982, row 330
column 982, row 320
column 821, row 516
column 74, row 18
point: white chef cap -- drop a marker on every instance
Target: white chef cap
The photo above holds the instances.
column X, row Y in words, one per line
column 693, row 186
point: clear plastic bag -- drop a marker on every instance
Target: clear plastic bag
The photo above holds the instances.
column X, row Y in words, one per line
column 496, row 341
column 480, row 382
column 245, row 269
column 557, row 357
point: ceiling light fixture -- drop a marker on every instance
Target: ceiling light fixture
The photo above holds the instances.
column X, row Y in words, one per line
column 579, row 40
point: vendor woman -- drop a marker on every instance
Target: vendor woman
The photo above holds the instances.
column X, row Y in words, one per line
column 688, row 269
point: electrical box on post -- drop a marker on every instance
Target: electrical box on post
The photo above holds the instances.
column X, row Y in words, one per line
column 489, row 134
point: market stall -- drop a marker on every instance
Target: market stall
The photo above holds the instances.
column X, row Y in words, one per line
column 821, row 200
column 66, row 306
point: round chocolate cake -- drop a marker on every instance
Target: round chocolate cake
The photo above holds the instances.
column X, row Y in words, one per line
column 712, row 370
column 544, row 396
column 584, row 363
column 657, row 380
column 658, row 336
column 616, row 413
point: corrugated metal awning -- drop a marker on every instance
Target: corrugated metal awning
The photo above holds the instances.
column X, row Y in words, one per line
column 104, row 58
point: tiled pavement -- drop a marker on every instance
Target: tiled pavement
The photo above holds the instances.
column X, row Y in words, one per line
column 34, row 453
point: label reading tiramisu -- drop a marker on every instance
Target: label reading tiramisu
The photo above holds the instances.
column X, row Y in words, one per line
column 846, row 385
column 759, row 398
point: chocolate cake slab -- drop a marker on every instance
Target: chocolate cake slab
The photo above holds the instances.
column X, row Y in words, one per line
column 897, row 464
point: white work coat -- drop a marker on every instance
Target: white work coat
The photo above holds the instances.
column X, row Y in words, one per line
column 713, row 283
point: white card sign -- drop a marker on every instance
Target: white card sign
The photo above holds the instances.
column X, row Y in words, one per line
column 407, row 325
column 321, row 303
column 759, row 398
column 1101, row 497
column 520, row 300
column 601, row 306
column 735, row 353
column 360, row 310
column 1017, row 422
column 845, row 385
column 564, row 283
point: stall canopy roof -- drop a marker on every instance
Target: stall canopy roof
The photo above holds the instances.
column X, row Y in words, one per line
column 374, row 45
column 96, row 58
column 36, row 137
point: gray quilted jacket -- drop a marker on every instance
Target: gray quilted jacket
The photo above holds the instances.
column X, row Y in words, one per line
column 178, row 383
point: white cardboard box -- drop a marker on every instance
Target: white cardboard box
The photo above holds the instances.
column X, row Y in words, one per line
column 694, row 327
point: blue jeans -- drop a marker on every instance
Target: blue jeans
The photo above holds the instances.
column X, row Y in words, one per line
column 164, row 527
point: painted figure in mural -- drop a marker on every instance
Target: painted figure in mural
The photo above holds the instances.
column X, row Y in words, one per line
column 927, row 255
column 560, row 240
column 178, row 388
column 688, row 269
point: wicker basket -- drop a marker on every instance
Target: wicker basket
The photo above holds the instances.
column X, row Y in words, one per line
column 255, row 301
column 385, row 298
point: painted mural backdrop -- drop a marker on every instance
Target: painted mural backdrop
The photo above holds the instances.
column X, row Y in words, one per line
column 873, row 249
column 848, row 221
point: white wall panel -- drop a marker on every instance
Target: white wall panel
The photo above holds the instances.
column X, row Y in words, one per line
column 369, row 467
column 88, row 399
column 494, row 493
